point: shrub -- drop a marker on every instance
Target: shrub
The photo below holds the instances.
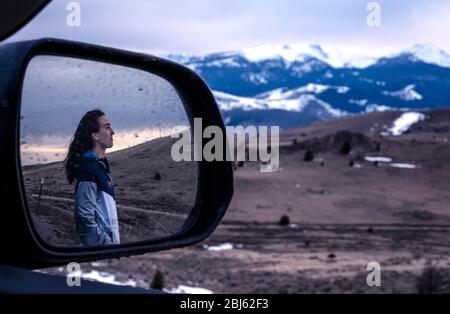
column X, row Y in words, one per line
column 284, row 220
column 346, row 148
column 158, row 281
column 308, row 156
column 430, row 280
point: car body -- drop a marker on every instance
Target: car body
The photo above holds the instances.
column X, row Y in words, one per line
column 27, row 250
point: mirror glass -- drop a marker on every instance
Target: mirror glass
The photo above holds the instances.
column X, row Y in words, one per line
column 95, row 149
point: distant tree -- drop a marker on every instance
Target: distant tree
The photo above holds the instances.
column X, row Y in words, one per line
column 346, row 148
column 430, row 280
column 157, row 176
column 284, row 220
column 308, row 156
column 158, row 281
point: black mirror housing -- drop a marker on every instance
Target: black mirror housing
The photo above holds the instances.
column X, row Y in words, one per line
column 20, row 243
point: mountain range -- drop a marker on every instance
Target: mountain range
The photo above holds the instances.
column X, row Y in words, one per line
column 292, row 85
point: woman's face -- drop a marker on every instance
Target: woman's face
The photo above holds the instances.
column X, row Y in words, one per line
column 104, row 137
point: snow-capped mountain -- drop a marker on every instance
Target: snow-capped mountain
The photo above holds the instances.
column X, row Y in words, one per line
column 429, row 54
column 299, row 83
column 302, row 52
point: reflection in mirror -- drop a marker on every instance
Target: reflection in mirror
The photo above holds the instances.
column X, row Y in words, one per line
column 108, row 129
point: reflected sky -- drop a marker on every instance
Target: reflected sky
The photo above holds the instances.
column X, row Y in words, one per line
column 58, row 91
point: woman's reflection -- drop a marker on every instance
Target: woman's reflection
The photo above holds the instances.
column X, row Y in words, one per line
column 95, row 206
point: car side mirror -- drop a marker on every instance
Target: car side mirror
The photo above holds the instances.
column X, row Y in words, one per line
column 90, row 159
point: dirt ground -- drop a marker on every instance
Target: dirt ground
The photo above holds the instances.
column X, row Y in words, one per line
column 341, row 213
column 300, row 259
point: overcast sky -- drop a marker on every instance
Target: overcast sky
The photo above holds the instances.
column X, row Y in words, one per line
column 204, row 26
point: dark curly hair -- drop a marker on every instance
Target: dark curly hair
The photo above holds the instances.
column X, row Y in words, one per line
column 81, row 142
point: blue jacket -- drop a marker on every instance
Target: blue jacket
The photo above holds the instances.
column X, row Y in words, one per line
column 95, row 207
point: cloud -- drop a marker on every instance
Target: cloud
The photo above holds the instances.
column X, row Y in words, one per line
column 202, row 26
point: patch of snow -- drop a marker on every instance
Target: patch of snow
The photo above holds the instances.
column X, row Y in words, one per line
column 365, row 79
column 275, row 94
column 99, row 264
column 343, row 89
column 257, row 78
column 228, row 62
column 103, row 277
column 305, row 68
column 274, row 100
column 379, row 83
column 312, row 88
column 230, row 102
column 403, row 166
column 301, row 52
column 333, row 111
column 328, row 75
column 222, row 247
column 181, row 289
column 379, row 159
column 377, row 108
column 290, row 104
column 430, row 54
column 404, row 122
column 408, row 93
column 179, row 58
column 359, row 102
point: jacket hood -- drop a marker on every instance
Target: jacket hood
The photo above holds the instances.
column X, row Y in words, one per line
column 90, row 157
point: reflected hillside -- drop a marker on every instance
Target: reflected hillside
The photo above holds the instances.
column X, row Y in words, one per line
column 153, row 193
